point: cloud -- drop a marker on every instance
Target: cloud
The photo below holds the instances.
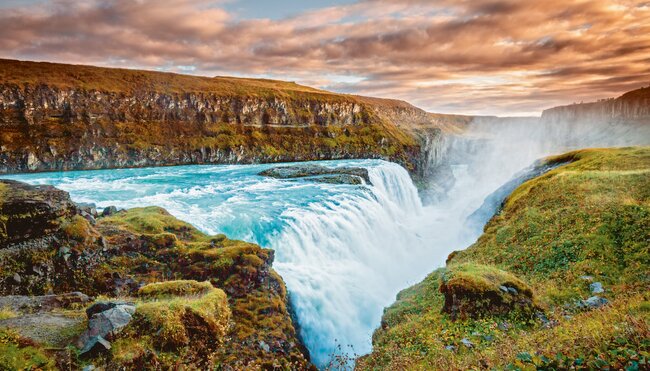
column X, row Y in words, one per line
column 478, row 56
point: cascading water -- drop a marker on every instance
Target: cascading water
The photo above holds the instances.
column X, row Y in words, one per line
column 343, row 250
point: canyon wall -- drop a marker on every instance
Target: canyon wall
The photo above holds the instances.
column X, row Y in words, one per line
column 64, row 117
column 633, row 105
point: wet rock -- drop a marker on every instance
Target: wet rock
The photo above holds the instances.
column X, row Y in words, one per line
column 339, row 179
column 596, row 288
column 348, row 175
column 109, row 210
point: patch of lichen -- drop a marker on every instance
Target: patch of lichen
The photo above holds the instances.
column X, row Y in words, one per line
column 590, row 217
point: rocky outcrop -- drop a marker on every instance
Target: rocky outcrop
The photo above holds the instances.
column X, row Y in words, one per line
column 474, row 291
column 29, row 212
column 339, row 175
column 115, row 258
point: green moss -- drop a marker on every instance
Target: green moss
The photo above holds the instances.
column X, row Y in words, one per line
column 155, row 221
column 79, row 229
column 6, row 313
column 18, row 354
column 172, row 318
column 482, row 278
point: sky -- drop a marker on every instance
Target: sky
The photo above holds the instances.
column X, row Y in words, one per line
column 491, row 57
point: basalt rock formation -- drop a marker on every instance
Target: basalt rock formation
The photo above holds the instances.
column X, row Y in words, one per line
column 240, row 318
column 63, row 117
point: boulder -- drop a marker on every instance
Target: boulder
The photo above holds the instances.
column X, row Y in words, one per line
column 473, row 291
column 88, row 207
column 95, row 345
column 109, row 210
column 106, row 319
column 593, row 302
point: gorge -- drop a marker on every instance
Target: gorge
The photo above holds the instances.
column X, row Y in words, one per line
column 343, row 250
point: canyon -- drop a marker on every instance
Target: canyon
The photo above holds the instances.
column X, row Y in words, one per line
column 313, row 251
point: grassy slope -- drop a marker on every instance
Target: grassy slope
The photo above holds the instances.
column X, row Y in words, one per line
column 117, row 80
column 590, row 217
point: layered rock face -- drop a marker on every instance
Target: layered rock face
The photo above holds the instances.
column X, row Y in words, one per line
column 62, row 117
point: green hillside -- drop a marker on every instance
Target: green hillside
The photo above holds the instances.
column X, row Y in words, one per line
column 526, row 294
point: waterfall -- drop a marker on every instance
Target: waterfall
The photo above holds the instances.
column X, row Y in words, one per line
column 344, row 260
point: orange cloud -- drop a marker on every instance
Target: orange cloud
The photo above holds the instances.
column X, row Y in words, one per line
column 479, row 56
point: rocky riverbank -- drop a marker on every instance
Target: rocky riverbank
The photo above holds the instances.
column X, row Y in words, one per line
column 133, row 288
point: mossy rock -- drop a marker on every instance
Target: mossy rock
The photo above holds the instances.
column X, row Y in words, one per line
column 475, row 290
column 79, row 229
column 175, row 288
column 186, row 313
column 154, row 221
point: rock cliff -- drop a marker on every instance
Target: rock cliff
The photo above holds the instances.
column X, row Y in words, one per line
column 64, row 117
column 631, row 106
